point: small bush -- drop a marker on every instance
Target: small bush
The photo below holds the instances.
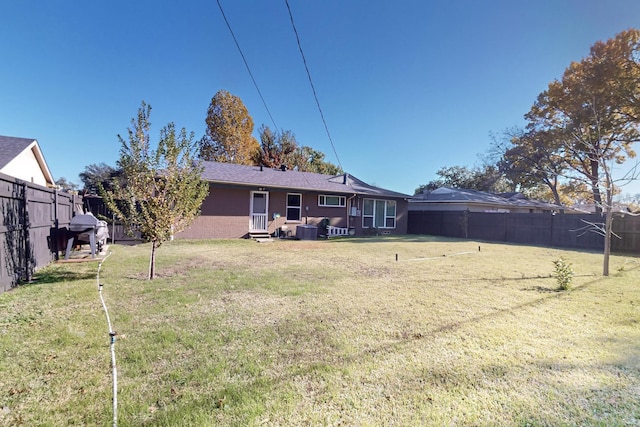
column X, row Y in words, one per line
column 563, row 274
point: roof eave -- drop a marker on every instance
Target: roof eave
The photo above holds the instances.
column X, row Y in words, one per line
column 278, row 186
column 347, row 190
column 43, row 164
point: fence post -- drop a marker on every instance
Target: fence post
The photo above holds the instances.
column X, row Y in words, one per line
column 26, row 256
column 56, row 224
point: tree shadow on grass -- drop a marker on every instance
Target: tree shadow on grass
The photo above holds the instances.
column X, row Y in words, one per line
column 49, row 276
column 18, row 257
column 542, row 289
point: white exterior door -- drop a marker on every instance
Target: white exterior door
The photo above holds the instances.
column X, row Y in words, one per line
column 259, row 207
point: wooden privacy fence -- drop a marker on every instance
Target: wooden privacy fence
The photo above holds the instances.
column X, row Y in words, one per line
column 28, row 237
column 542, row 229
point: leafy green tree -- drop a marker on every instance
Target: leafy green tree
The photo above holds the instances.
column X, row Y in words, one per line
column 96, row 175
column 276, row 149
column 533, row 162
column 485, row 178
column 314, row 162
column 281, row 149
column 571, row 192
column 65, row 185
column 228, row 136
column 592, row 115
column 161, row 190
column 589, row 113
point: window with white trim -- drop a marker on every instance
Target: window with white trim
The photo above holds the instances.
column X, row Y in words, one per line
column 379, row 213
column 294, row 207
column 332, row 201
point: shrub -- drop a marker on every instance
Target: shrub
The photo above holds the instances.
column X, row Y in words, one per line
column 563, row 274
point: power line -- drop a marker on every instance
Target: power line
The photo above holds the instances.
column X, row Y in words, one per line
column 247, row 65
column 313, row 89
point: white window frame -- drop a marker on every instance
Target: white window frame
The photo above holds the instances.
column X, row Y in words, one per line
column 322, row 201
column 387, row 208
column 294, row 207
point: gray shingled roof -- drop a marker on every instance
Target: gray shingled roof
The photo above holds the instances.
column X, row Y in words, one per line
column 10, row 147
column 229, row 173
column 453, row 195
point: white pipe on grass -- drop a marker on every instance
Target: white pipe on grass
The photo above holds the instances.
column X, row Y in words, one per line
column 112, row 340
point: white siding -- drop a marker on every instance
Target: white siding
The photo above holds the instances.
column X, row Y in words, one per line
column 26, row 167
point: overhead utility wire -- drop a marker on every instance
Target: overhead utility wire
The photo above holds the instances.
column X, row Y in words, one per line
column 246, row 65
column 313, row 89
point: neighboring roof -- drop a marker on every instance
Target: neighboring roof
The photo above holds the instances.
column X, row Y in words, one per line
column 458, row 195
column 11, row 147
column 229, row 173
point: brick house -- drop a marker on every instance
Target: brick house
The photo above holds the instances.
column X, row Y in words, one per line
column 248, row 201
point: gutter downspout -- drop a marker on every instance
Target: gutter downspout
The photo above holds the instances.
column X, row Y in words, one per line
column 349, row 217
column 345, row 181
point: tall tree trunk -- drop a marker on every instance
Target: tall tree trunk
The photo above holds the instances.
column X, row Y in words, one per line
column 556, row 195
column 597, row 196
column 152, row 260
column 553, row 186
column 608, row 223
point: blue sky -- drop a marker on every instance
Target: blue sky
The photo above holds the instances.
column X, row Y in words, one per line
column 406, row 87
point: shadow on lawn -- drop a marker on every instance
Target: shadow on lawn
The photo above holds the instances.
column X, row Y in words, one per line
column 58, row 276
column 542, row 289
column 407, row 337
column 600, row 399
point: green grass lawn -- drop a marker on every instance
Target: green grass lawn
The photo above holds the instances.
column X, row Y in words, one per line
column 326, row 333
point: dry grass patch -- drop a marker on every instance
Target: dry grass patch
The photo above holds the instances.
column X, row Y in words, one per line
column 328, row 333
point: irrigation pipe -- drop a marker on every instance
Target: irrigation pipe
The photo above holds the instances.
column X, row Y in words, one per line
column 112, row 340
column 438, row 257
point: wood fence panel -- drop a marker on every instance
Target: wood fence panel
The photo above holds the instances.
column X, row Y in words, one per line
column 576, row 231
column 40, row 218
column 452, row 225
column 561, row 230
column 424, row 222
column 12, row 236
column 628, row 228
column 531, row 229
column 482, row 226
column 29, row 213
